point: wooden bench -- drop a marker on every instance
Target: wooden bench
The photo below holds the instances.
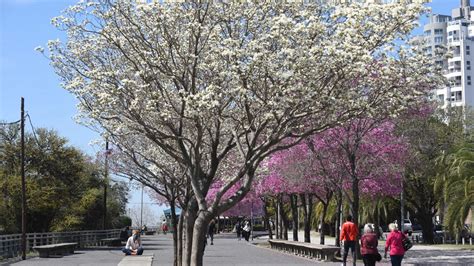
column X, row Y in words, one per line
column 112, row 242
column 148, row 233
column 314, row 251
column 55, row 249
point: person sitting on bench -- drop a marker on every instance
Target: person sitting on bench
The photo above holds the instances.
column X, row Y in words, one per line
column 134, row 244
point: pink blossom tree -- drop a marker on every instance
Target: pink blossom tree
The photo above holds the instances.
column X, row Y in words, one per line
column 364, row 157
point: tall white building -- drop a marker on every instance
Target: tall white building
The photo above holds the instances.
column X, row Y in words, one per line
column 456, row 34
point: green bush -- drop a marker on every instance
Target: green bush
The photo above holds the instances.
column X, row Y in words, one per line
column 122, row 221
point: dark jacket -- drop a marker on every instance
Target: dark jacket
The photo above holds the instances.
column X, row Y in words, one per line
column 368, row 244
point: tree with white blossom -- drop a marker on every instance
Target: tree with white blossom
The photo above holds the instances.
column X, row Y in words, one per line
column 166, row 180
column 199, row 81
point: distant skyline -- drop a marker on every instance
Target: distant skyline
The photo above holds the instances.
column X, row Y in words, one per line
column 24, row 25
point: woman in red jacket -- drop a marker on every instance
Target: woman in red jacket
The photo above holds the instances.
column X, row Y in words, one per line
column 368, row 245
column 394, row 243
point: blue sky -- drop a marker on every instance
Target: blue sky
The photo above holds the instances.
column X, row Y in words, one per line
column 24, row 25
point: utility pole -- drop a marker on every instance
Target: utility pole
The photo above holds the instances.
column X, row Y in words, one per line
column 106, row 181
column 23, row 185
column 141, row 211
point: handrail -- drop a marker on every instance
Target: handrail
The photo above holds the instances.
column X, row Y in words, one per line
column 10, row 245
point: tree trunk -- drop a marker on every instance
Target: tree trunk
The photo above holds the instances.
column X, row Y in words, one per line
column 267, row 218
column 280, row 218
column 189, row 219
column 199, row 235
column 174, row 222
column 425, row 217
column 180, row 240
column 323, row 216
column 307, row 202
column 294, row 214
column 355, row 210
column 286, row 225
column 284, row 219
column 338, row 219
column 377, row 219
column 277, row 219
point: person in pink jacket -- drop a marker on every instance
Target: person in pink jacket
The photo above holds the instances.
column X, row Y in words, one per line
column 394, row 243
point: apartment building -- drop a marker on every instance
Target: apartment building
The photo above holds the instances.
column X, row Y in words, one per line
column 453, row 34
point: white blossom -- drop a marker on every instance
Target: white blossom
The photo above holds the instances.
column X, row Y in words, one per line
column 236, row 79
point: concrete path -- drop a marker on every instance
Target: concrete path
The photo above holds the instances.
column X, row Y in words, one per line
column 102, row 256
column 227, row 250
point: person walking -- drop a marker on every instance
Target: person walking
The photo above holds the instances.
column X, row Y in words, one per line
column 368, row 246
column 238, row 229
column 348, row 236
column 394, row 243
column 134, row 244
column 246, row 230
column 164, row 227
column 211, row 230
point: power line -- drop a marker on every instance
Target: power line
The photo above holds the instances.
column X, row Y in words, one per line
column 9, row 123
column 33, row 129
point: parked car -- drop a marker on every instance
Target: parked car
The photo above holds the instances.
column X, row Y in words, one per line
column 416, row 227
column 407, row 226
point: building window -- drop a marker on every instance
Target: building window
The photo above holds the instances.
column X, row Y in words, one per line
column 427, row 32
column 468, row 77
column 438, row 39
column 438, row 31
column 467, row 47
column 458, row 96
column 468, row 53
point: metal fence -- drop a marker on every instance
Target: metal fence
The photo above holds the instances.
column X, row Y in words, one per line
column 10, row 245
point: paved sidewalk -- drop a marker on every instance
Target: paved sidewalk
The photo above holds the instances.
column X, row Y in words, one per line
column 106, row 257
column 228, row 251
